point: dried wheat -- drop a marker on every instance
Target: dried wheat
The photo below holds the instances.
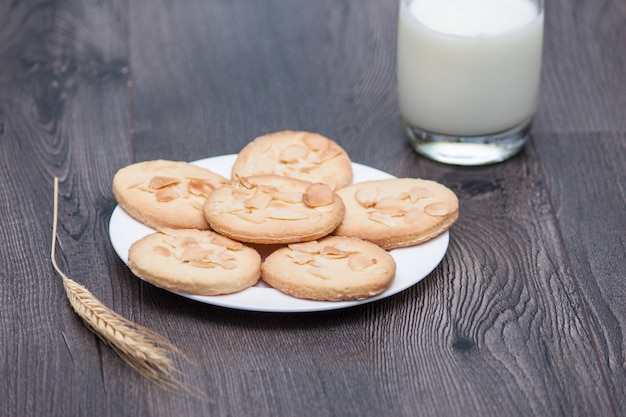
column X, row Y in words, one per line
column 147, row 352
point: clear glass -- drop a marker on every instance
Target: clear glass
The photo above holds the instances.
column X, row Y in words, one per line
column 468, row 76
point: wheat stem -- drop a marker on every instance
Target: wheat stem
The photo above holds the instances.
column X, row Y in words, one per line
column 144, row 350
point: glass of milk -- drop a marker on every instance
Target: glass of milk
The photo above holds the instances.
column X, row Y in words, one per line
column 468, row 76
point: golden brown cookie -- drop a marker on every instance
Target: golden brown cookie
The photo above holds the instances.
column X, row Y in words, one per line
column 164, row 193
column 333, row 268
column 197, row 262
column 304, row 155
column 397, row 212
column 272, row 209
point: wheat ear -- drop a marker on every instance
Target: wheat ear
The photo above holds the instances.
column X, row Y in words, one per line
column 144, row 350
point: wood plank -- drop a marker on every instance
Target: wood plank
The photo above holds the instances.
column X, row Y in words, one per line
column 467, row 329
column 63, row 112
column 470, row 328
column 496, row 296
column 265, row 66
column 523, row 317
column 583, row 94
column 592, row 224
column 583, row 67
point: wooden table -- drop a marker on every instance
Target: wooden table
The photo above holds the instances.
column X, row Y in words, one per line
column 526, row 315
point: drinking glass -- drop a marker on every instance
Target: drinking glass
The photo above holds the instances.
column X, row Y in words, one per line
column 468, row 76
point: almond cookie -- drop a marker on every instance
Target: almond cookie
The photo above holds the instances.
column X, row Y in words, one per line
column 164, row 193
column 304, row 155
column 193, row 261
column 272, row 209
column 332, row 269
column 397, row 212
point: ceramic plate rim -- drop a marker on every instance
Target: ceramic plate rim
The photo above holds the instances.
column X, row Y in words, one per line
column 123, row 230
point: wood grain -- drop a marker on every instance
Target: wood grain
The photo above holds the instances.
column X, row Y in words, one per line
column 583, row 67
column 591, row 223
column 523, row 317
column 63, row 103
column 307, row 48
column 259, row 64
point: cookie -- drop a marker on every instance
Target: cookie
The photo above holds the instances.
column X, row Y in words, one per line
column 193, row 261
column 272, row 209
column 164, row 193
column 332, row 269
column 304, row 155
column 397, row 212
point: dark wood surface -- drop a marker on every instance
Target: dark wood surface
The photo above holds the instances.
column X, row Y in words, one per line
column 526, row 315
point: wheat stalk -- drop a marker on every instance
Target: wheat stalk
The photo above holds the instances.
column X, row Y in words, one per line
column 144, row 350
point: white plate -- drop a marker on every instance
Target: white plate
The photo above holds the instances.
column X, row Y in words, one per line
column 413, row 263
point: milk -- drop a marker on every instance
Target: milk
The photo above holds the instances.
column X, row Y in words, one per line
column 468, row 67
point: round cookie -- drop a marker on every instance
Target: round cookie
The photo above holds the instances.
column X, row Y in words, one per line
column 272, row 209
column 397, row 212
column 164, row 193
column 333, row 268
column 193, row 261
column 304, row 155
